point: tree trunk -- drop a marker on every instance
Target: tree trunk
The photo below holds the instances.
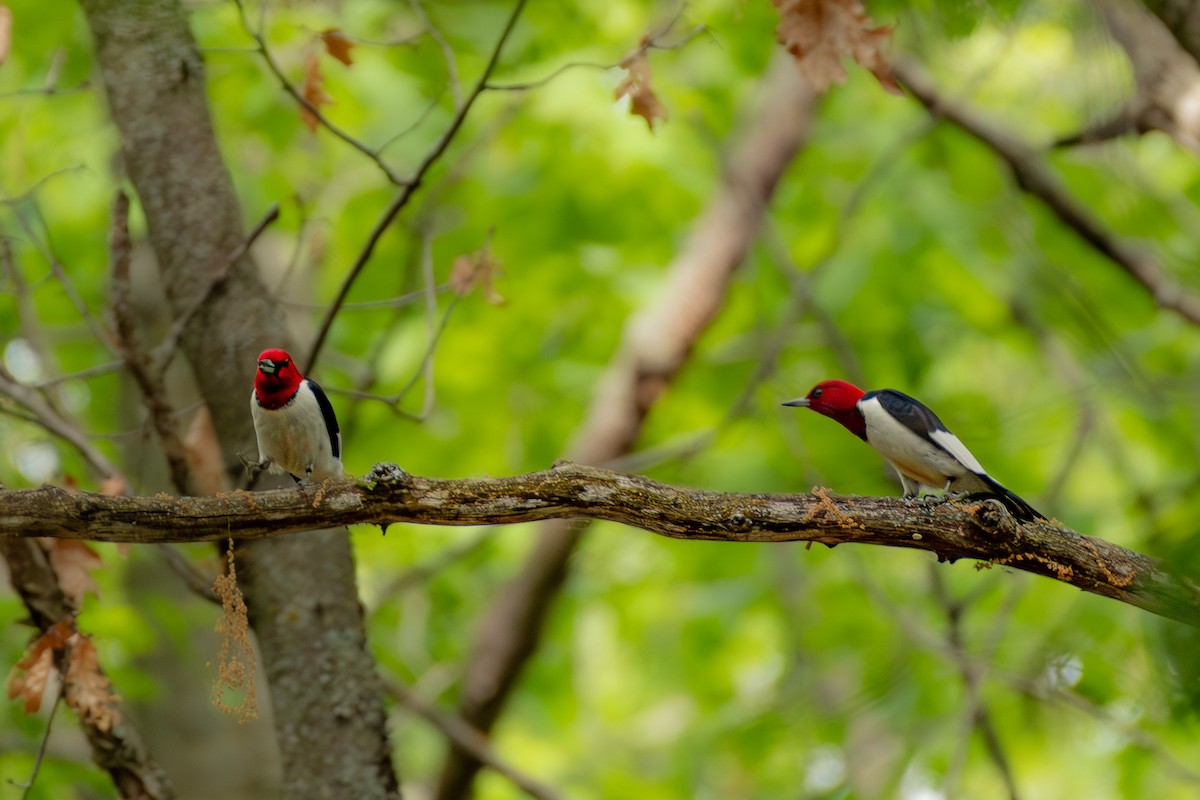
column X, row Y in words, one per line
column 326, row 696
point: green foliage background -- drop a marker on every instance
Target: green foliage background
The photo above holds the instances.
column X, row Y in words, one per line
column 675, row 669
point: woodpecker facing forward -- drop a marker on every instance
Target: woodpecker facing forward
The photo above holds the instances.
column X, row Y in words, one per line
column 294, row 421
column 912, row 439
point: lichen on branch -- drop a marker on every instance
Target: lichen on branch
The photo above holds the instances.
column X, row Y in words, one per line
column 974, row 529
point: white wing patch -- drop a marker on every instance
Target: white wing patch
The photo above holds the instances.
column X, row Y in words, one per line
column 956, row 448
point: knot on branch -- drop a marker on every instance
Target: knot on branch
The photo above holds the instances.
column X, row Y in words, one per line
column 386, row 472
column 738, row 522
column 995, row 520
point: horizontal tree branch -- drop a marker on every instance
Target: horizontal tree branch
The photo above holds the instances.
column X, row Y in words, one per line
column 972, row 528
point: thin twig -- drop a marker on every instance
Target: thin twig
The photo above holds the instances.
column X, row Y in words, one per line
column 41, row 751
column 431, row 322
column 46, row 249
column 447, row 52
column 198, row 583
column 423, row 572
column 273, row 65
column 25, row 195
column 416, row 123
column 83, row 374
column 973, row 672
column 410, row 187
column 469, row 738
column 49, row 91
column 406, row 299
column 651, row 42
column 1036, row 180
column 53, row 422
column 163, row 354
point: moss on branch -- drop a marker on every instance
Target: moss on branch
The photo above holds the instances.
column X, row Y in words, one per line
column 974, row 529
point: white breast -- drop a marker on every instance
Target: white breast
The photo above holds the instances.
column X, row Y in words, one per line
column 294, row 438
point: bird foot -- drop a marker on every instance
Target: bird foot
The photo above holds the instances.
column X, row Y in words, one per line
column 253, row 468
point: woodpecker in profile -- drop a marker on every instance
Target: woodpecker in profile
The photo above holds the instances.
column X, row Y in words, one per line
column 294, row 421
column 912, row 439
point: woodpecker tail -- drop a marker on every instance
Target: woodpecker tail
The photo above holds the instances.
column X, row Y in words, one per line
column 1016, row 506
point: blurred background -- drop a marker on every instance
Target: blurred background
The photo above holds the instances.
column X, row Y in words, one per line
column 896, row 250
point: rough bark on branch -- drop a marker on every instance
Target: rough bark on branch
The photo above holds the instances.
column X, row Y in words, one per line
column 975, row 529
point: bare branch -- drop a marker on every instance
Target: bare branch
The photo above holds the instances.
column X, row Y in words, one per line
column 82, row 86
column 165, row 351
column 260, row 43
column 1167, row 81
column 27, row 785
column 976, row 714
column 32, row 190
column 972, row 529
column 459, row 731
column 1038, row 181
column 46, row 250
column 46, row 416
column 141, row 367
column 650, row 42
column 410, row 187
column 447, row 52
column 117, row 749
column 419, row 574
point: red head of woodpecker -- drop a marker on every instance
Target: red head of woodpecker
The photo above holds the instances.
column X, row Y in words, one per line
column 912, row 439
column 294, row 421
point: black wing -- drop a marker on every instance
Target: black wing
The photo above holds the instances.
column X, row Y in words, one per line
column 1018, row 507
column 912, row 414
column 909, row 412
column 331, row 423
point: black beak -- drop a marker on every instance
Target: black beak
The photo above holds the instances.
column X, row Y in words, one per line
column 267, row 366
column 799, row 402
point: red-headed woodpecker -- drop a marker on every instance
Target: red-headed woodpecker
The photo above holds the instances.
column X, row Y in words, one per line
column 912, row 439
column 294, row 421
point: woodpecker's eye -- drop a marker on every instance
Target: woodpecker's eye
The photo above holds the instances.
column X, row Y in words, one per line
column 816, row 393
column 283, row 363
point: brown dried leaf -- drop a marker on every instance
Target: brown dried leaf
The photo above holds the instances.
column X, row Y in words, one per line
column 477, row 269
column 72, row 562
column 313, row 91
column 819, row 33
column 338, row 45
column 643, row 102
column 30, row 685
column 29, row 675
column 6, row 20
column 86, row 688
